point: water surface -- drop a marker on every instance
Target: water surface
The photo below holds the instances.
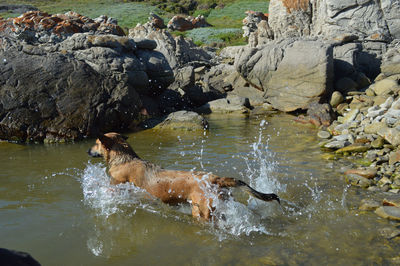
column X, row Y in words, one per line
column 56, row 203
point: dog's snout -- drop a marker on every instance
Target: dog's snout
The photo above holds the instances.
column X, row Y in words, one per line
column 93, row 154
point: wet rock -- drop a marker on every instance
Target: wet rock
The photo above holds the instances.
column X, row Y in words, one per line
column 181, row 120
column 336, row 99
column 395, row 201
column 389, row 212
column 230, row 104
column 389, row 232
column 367, row 173
column 320, row 114
column 378, row 143
column 336, row 144
column 16, row 258
column 324, row 134
column 357, row 180
column 369, row 205
column 354, row 148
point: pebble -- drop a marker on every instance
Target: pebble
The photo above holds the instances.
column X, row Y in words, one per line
column 389, row 212
column 324, row 134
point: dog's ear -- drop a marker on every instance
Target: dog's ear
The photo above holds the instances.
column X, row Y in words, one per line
column 106, row 141
column 124, row 137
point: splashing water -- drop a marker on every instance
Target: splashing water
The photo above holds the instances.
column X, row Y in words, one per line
column 229, row 216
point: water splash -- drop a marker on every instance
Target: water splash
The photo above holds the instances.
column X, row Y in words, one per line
column 230, row 217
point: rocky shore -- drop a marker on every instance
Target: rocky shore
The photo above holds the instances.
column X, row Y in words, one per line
column 336, row 63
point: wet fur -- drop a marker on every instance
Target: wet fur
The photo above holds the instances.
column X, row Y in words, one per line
column 171, row 186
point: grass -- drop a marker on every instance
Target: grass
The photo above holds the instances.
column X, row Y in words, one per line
column 208, row 36
column 233, row 14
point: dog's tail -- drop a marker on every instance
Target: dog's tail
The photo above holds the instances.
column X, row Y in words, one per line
column 232, row 182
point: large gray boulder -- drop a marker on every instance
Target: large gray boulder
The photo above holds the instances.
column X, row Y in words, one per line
column 367, row 19
column 292, row 73
column 75, row 86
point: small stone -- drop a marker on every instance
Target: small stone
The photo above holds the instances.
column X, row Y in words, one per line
column 369, row 205
column 335, row 144
column 389, row 212
column 369, row 92
column 394, row 191
column 374, row 127
column 324, row 134
column 391, row 135
column 351, row 115
column 384, row 181
column 391, row 202
column 367, row 173
column 357, row 180
column 336, row 99
column 389, row 232
column 378, row 143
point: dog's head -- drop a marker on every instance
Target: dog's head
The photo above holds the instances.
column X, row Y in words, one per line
column 107, row 143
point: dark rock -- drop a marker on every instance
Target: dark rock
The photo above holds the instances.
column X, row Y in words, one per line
column 16, row 258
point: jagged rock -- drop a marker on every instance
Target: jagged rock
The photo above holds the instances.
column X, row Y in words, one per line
column 178, row 51
column 251, row 21
column 391, row 61
column 87, row 83
column 181, row 23
column 37, row 26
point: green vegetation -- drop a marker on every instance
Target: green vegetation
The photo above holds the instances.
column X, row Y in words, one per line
column 233, row 14
column 127, row 14
column 225, row 16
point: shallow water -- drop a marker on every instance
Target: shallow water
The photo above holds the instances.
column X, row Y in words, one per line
column 57, row 204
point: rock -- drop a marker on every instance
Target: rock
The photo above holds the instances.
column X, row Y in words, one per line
column 385, row 87
column 88, row 82
column 354, row 148
column 181, row 23
column 374, row 127
column 389, row 232
column 231, row 104
column 156, row 22
column 251, row 21
column 391, row 61
column 230, row 51
column 178, row 51
column 357, row 180
column 336, row 99
column 142, row 43
column 336, row 144
column 290, row 18
column 350, row 116
column 391, row 135
column 320, row 114
column 41, row 27
column 367, row 173
column 345, row 85
column 378, row 143
column 324, row 134
column 394, row 157
column 389, row 212
column 16, row 258
column 391, row 202
column 293, row 75
column 214, row 79
column 181, row 120
column 369, row 205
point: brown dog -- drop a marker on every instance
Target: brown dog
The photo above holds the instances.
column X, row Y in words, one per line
column 170, row 186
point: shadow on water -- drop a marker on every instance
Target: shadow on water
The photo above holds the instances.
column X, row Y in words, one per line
column 57, row 204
